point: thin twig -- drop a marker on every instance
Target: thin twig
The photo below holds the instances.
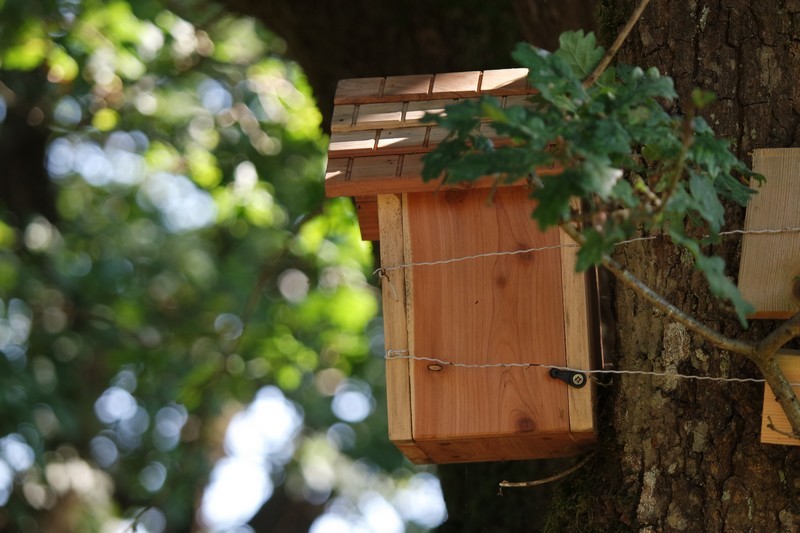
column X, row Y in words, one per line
column 781, row 388
column 611, row 52
column 771, row 426
column 537, row 482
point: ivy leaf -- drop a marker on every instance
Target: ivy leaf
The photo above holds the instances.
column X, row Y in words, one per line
column 579, row 51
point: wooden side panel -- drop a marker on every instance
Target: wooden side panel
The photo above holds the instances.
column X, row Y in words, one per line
column 577, row 337
column 769, row 274
column 488, row 310
column 394, row 317
column 789, row 361
column 367, row 210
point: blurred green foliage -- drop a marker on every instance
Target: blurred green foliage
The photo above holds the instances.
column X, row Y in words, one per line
column 191, row 261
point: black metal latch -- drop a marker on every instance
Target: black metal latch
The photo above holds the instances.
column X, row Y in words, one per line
column 570, row 377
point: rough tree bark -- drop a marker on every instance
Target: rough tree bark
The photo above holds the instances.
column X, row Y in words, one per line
column 676, row 455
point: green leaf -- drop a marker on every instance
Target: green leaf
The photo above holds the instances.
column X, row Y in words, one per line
column 552, row 76
column 722, row 287
column 714, row 270
column 623, row 191
column 579, row 51
column 437, row 162
column 592, row 251
column 706, row 201
column 554, row 196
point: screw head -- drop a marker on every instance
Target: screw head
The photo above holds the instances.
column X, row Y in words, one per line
column 578, row 380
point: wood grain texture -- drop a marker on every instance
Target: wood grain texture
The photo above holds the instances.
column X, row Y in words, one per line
column 352, row 143
column 368, row 220
column 789, row 361
column 769, row 274
column 395, row 325
column 577, row 338
column 379, row 115
column 413, row 87
column 358, row 89
column 493, row 309
column 456, row 85
column 505, row 82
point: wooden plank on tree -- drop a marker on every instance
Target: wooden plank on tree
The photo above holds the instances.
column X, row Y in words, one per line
column 577, row 338
column 769, row 273
column 485, row 310
column 789, row 361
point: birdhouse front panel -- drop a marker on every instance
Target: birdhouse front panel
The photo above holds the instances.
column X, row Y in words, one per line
column 478, row 303
column 484, row 310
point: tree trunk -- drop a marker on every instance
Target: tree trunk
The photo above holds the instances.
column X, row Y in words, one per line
column 682, row 455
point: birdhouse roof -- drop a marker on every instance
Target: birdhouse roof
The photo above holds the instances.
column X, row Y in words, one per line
column 378, row 138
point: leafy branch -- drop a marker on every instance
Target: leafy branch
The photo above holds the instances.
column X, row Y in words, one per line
column 632, row 167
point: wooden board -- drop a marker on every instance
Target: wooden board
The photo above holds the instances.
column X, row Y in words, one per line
column 789, row 361
column 395, row 325
column 769, row 274
column 577, row 337
column 492, row 309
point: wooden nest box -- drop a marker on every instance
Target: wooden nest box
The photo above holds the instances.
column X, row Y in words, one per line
column 493, row 315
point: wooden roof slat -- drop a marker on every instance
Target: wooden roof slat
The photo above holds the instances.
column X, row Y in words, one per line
column 354, row 142
column 379, row 115
column 416, row 110
column 378, row 139
column 343, row 117
column 402, row 138
column 354, row 90
column 456, row 85
column 520, row 100
column 414, row 87
column 505, row 82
